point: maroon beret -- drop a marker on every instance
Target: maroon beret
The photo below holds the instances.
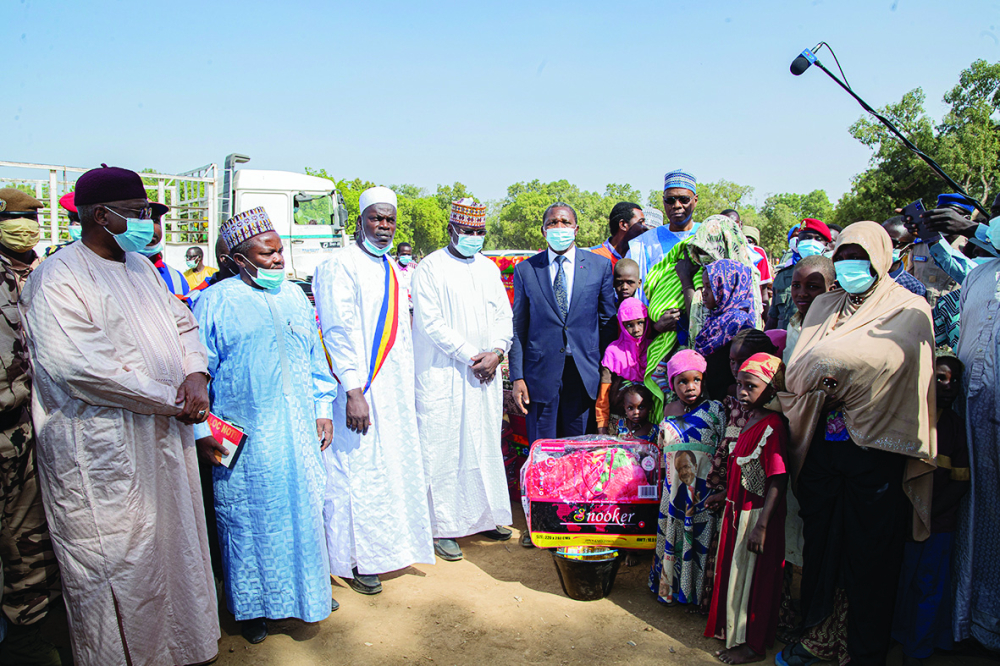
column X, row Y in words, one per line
column 108, row 184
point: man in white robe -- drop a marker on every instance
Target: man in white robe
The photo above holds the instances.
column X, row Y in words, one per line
column 119, row 377
column 376, row 509
column 462, row 329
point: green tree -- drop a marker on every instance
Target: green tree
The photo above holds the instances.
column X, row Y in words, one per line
column 448, row 193
column 970, row 134
column 780, row 212
column 408, row 191
column 713, row 198
column 518, row 223
column 895, row 176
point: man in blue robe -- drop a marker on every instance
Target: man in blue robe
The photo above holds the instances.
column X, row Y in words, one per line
column 271, row 379
column 680, row 196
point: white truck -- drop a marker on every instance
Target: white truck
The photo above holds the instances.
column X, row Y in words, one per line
column 308, row 212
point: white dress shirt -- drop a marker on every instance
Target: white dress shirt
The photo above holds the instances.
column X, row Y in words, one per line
column 568, row 267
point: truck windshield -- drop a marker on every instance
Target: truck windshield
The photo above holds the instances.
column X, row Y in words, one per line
column 314, row 210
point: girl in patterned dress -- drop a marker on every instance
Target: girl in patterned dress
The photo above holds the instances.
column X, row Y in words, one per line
column 748, row 575
column 689, row 435
column 747, row 342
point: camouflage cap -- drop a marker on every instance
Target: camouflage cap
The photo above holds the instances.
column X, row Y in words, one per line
column 16, row 201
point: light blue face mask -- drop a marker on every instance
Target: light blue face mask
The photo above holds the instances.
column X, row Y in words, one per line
column 75, row 232
column 854, row 275
column 467, row 246
column 372, row 248
column 810, row 248
column 560, row 238
column 982, row 260
column 994, row 232
column 404, row 259
column 137, row 233
column 153, row 250
column 896, row 254
column 266, row 278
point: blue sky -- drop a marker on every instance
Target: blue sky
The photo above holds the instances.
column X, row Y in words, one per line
column 483, row 93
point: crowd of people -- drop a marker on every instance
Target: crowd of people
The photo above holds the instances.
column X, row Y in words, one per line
column 163, row 430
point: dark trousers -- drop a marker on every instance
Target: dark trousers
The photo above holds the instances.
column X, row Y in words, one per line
column 567, row 414
column 854, row 524
column 208, row 496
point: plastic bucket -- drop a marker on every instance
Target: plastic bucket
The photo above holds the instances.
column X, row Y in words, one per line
column 586, row 573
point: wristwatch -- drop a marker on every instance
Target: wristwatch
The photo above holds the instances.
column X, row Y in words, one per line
column 499, row 353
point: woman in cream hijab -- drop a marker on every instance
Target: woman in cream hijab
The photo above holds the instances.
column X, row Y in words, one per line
column 862, row 439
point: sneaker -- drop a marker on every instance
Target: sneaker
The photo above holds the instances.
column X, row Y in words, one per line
column 501, row 533
column 448, row 550
column 254, row 631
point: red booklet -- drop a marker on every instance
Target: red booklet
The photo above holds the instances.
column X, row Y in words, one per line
column 229, row 436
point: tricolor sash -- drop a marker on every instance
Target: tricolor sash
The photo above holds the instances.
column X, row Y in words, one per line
column 385, row 329
column 388, row 322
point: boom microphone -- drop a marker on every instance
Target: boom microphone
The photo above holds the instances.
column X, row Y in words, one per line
column 805, row 59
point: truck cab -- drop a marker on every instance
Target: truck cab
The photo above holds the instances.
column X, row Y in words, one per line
column 307, row 212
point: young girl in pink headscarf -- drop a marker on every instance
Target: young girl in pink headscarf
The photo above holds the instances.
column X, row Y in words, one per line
column 624, row 362
column 690, row 433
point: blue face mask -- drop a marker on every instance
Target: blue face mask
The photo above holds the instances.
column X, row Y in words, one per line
column 266, row 278
column 404, row 259
column 467, row 246
column 153, row 250
column 75, row 232
column 560, row 238
column 372, row 248
column 994, row 232
column 896, row 254
column 982, row 260
column 810, row 248
column 854, row 275
column 137, row 233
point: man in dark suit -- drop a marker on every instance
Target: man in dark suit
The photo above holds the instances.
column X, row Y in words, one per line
column 563, row 301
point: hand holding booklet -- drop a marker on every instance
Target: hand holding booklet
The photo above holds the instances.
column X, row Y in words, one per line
column 230, row 436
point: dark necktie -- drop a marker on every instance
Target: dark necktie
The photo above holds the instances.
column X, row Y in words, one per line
column 562, row 298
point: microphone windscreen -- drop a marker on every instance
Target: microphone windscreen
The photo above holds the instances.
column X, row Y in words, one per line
column 799, row 65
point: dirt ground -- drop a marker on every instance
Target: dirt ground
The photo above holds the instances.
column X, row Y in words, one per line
column 501, row 604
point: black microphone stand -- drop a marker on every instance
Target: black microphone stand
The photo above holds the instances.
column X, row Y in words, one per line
column 906, row 142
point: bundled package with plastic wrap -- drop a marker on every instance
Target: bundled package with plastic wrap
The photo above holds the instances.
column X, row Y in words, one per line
column 592, row 490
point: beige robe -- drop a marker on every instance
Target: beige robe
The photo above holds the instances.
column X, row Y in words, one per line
column 109, row 347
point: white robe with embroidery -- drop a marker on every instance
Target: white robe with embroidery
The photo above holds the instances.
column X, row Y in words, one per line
column 376, row 507
column 460, row 308
column 119, row 474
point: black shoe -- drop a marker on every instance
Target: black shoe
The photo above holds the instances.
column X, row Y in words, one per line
column 334, row 605
column 364, row 584
column 526, row 540
column 447, row 549
column 254, row 631
column 499, row 534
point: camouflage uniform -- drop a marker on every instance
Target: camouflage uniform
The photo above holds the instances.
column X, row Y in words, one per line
column 31, row 575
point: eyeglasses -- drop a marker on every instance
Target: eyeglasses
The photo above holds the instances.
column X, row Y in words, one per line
column 143, row 213
column 670, row 201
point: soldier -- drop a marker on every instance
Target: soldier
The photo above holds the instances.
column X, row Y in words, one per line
column 30, row 573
